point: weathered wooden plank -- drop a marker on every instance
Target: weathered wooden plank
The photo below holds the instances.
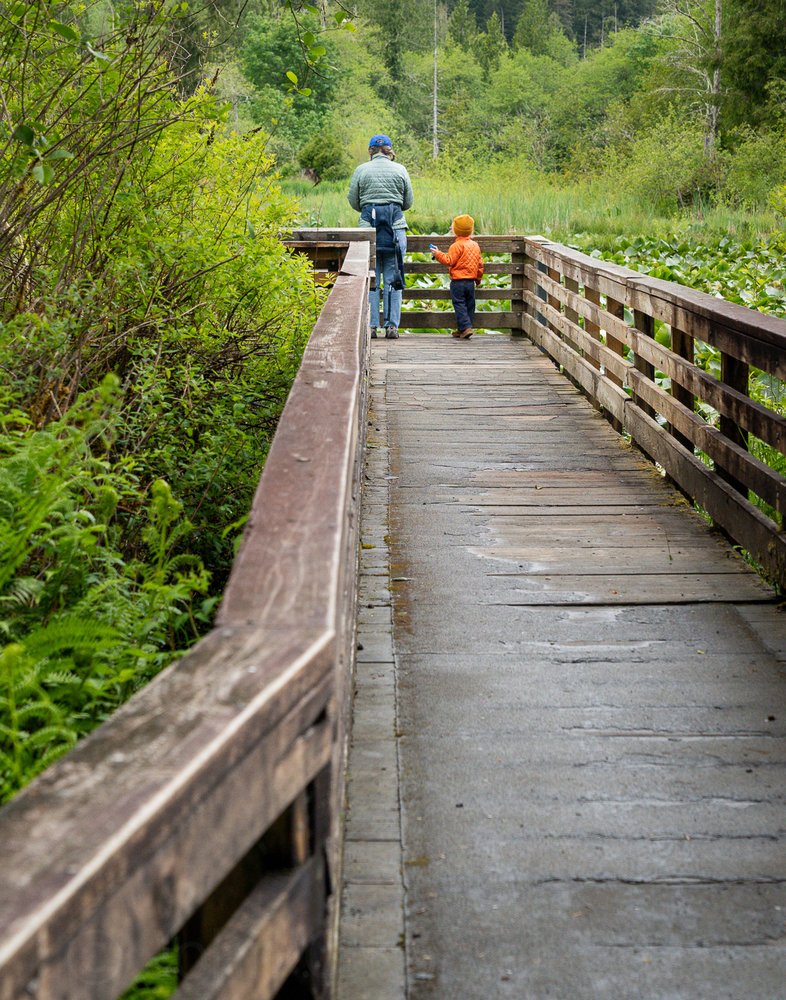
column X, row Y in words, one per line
column 489, row 267
column 488, row 244
column 262, row 943
column 303, row 497
column 115, row 845
column 356, row 262
column 446, row 321
column 672, row 303
column 509, row 294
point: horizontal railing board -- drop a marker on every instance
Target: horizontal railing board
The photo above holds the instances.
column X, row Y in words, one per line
column 672, row 301
column 505, row 294
column 446, row 320
column 606, row 277
column 115, row 844
column 296, row 524
column 262, row 943
column 489, row 267
column 488, row 244
column 348, row 235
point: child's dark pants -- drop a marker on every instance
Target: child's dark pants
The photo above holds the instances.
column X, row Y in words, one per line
column 462, row 293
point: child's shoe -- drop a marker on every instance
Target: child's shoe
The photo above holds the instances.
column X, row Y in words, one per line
column 391, row 333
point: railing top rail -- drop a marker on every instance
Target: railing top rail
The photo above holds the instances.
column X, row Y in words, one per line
column 731, row 315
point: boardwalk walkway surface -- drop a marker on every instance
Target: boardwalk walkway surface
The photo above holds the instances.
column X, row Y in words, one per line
column 576, row 695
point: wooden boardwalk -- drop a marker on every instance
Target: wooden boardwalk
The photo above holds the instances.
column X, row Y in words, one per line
column 568, row 757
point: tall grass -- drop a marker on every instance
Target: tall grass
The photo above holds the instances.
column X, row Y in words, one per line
column 525, row 202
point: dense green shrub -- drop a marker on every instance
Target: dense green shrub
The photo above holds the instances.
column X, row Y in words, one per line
column 325, row 158
column 152, row 322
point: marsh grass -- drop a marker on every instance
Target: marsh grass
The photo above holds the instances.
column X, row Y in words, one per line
column 591, row 214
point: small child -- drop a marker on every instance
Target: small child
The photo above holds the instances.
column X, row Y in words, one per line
column 465, row 263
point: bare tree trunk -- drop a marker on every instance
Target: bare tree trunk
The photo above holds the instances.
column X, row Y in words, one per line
column 435, row 114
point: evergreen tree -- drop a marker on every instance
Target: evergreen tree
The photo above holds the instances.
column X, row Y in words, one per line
column 490, row 46
column 462, row 25
column 534, row 26
column 754, row 58
column 508, row 12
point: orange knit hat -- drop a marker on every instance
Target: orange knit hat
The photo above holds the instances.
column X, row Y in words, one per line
column 463, row 225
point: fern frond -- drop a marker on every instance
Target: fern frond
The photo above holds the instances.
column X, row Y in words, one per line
column 51, row 734
column 37, row 712
column 70, row 632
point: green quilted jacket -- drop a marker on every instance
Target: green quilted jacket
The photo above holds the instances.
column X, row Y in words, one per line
column 380, row 181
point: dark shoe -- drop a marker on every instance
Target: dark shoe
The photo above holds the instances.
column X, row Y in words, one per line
column 466, row 334
column 391, row 333
column 373, row 333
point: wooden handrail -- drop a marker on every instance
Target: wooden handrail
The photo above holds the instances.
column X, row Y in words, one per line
column 207, row 807
column 575, row 310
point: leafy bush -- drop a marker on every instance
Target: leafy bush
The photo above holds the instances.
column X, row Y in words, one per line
column 82, row 623
column 152, row 324
column 325, row 158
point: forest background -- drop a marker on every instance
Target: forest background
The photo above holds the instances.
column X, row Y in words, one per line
column 151, row 320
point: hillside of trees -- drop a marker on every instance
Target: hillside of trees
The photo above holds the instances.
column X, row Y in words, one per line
column 681, row 101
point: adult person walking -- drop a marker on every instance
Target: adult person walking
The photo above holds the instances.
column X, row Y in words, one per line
column 382, row 191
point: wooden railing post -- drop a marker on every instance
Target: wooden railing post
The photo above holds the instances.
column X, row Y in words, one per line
column 682, row 344
column 592, row 295
column 518, row 284
column 616, row 309
column 645, row 324
column 735, row 374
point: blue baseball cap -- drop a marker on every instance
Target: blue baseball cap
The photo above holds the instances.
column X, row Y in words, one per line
column 380, row 140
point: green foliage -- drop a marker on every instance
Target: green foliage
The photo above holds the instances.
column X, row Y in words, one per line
column 463, row 26
column 279, row 52
column 666, row 165
column 539, row 30
column 753, row 273
column 755, row 167
column 158, row 980
column 82, row 624
column 325, row 157
column 490, row 46
column 754, row 58
column 152, row 323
